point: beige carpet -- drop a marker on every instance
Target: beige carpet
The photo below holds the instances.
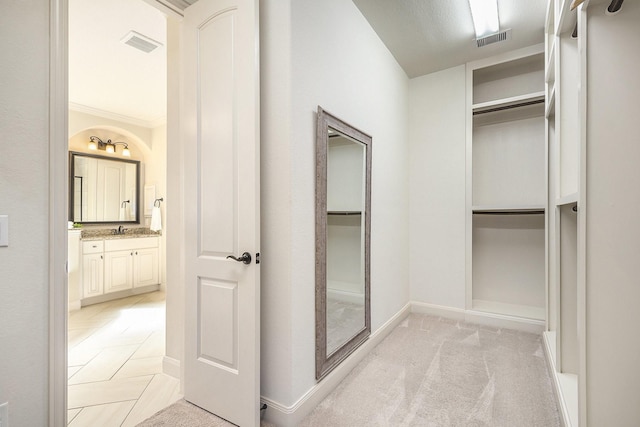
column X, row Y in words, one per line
column 184, row 414
column 429, row 371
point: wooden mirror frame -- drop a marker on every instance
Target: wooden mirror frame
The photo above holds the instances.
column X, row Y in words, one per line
column 325, row 363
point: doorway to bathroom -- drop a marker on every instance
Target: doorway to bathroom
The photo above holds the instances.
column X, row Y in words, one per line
column 116, row 345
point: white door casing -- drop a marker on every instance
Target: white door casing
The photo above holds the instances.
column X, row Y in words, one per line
column 220, row 130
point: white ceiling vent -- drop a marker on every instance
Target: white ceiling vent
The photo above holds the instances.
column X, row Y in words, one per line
column 140, row 42
column 494, row 38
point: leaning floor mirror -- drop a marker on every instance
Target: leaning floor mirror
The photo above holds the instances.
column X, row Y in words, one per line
column 343, row 230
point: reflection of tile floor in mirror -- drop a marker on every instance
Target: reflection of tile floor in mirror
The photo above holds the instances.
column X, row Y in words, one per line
column 344, row 320
column 115, row 362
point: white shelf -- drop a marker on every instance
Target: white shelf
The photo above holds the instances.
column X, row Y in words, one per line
column 504, row 103
column 515, row 310
column 567, row 200
column 550, row 71
column 534, row 209
column 567, row 19
column 551, row 103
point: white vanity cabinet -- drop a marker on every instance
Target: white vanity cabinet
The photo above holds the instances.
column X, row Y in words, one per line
column 92, row 268
column 130, row 263
column 114, row 265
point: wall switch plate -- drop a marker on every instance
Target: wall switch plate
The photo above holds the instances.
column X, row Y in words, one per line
column 4, row 232
column 4, row 414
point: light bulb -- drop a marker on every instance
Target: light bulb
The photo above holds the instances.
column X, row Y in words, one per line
column 126, row 152
column 92, row 145
column 111, row 148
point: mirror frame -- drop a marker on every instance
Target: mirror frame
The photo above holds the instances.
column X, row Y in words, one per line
column 325, row 363
column 72, row 155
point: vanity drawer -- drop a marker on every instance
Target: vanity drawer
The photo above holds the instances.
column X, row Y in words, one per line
column 93, row 247
column 127, row 244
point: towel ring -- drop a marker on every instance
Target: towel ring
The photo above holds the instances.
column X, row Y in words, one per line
column 156, row 203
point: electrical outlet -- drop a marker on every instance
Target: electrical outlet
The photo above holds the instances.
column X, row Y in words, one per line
column 4, row 414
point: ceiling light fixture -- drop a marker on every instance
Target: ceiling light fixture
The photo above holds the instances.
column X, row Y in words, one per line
column 96, row 143
column 485, row 17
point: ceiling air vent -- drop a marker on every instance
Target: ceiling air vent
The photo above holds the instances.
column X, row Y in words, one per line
column 140, row 42
column 494, row 38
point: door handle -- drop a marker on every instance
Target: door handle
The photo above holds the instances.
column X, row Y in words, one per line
column 245, row 258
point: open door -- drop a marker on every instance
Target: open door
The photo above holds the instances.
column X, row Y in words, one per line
column 220, row 130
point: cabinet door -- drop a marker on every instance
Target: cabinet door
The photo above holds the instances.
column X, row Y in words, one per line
column 118, row 273
column 92, row 275
column 145, row 267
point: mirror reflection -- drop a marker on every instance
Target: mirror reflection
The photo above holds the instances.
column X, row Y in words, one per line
column 102, row 189
column 343, row 224
column 345, row 239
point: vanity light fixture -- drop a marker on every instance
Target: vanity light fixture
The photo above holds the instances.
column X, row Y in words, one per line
column 485, row 17
column 96, row 143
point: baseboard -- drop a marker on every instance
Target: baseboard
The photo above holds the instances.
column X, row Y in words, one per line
column 171, row 367
column 560, row 389
column 286, row 416
column 117, row 295
column 74, row 305
column 480, row 317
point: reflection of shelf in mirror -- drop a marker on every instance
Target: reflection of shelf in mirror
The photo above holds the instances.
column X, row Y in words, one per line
column 508, row 210
column 344, row 212
column 516, row 310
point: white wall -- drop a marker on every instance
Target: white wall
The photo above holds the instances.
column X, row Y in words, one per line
column 24, row 196
column 437, row 187
column 612, row 206
column 324, row 53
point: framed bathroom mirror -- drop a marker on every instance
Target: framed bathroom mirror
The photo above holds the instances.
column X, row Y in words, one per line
column 103, row 189
column 343, row 230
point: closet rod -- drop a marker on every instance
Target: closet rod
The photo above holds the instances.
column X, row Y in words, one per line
column 344, row 213
column 509, row 107
column 527, row 212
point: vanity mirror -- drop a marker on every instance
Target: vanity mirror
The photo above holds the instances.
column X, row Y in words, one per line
column 103, row 189
column 343, row 229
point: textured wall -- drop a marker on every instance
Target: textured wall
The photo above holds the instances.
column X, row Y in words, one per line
column 24, row 196
column 437, row 182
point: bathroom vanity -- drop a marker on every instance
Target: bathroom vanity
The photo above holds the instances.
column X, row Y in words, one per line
column 105, row 266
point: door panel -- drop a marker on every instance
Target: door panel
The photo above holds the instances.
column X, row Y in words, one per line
column 220, row 125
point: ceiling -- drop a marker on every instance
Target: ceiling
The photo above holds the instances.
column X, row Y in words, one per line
column 430, row 35
column 109, row 78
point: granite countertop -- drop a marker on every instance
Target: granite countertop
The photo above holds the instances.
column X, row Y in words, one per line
column 133, row 232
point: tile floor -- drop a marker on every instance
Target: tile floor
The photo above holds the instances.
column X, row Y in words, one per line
column 115, row 362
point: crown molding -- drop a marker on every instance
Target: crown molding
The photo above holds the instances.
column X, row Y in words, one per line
column 118, row 117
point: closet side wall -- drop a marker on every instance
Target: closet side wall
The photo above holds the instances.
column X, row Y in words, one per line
column 437, row 188
column 612, row 213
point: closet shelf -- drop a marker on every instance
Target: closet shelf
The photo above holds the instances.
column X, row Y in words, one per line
column 567, row 200
column 508, row 209
column 550, row 72
column 567, row 19
column 551, row 104
column 508, row 103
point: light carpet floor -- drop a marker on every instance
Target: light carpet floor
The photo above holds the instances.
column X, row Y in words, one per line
column 429, row 371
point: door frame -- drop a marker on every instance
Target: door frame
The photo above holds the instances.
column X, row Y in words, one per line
column 57, row 204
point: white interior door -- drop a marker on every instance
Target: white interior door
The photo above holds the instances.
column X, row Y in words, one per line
column 220, row 128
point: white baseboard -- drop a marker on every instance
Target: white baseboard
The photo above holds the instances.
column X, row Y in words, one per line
column 74, row 305
column 480, row 317
column 171, row 367
column 564, row 387
column 286, row 416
